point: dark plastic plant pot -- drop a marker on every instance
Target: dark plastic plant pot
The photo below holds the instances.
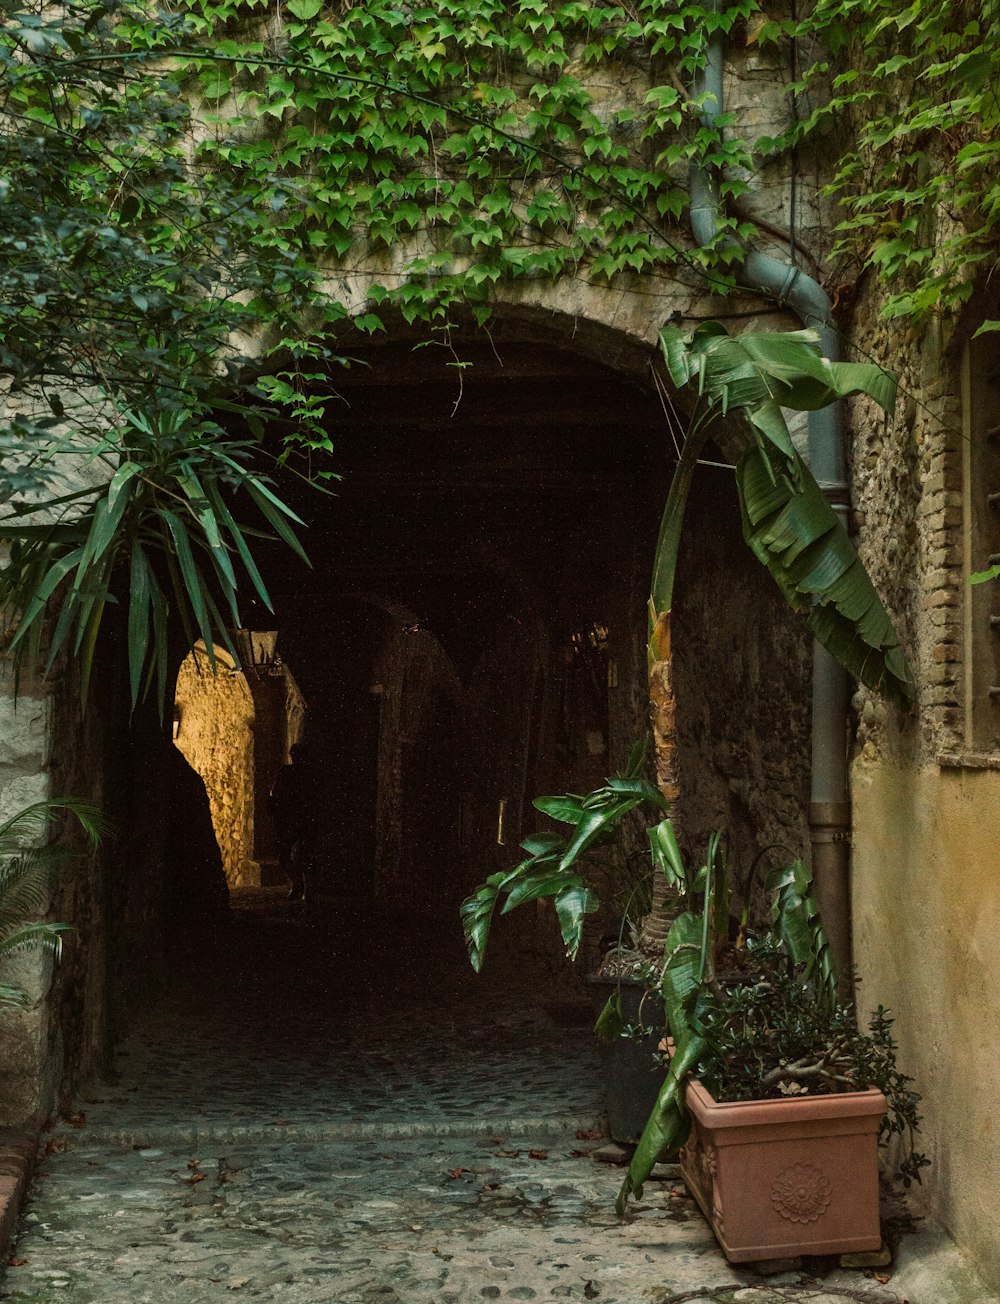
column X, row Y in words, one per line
column 632, row 1076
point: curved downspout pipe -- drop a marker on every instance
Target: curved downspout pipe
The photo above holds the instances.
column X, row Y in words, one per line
column 829, row 810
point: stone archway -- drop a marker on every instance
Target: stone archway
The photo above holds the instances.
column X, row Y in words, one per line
column 552, row 466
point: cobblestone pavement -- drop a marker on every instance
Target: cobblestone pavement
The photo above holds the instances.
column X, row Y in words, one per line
column 280, row 1128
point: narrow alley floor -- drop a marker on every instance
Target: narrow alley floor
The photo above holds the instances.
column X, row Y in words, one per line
column 313, row 1117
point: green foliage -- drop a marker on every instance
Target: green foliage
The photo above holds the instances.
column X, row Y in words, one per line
column 759, row 1018
column 914, row 91
column 27, row 875
column 126, row 276
column 551, row 870
column 474, row 124
column 773, row 1035
column 787, row 522
column 165, row 518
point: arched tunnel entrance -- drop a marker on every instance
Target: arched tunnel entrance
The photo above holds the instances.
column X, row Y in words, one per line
column 469, row 633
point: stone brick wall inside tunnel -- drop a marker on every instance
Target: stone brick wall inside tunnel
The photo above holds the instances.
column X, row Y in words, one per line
column 417, row 806
column 743, row 665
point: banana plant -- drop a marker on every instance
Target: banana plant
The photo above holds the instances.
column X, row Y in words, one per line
column 791, row 529
column 788, row 524
column 27, row 875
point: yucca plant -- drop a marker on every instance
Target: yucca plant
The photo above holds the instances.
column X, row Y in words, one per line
column 161, row 531
column 27, row 875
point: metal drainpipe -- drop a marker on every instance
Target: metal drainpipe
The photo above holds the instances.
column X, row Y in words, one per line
column 829, row 810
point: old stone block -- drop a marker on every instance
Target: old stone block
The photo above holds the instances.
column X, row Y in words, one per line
column 867, row 1259
column 941, row 578
column 771, row 1267
column 941, row 598
column 945, row 618
column 613, row 1153
column 20, row 790
column 23, row 1041
column 943, row 673
column 946, row 652
column 23, row 1097
column 24, row 732
column 31, row 971
column 944, row 557
column 944, row 500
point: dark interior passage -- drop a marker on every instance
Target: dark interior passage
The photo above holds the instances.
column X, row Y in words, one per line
column 469, row 633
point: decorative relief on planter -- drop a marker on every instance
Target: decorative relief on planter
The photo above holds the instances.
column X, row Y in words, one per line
column 710, row 1160
column 801, row 1193
column 718, row 1220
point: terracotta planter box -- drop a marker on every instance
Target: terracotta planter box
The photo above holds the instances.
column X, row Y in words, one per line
column 779, row 1178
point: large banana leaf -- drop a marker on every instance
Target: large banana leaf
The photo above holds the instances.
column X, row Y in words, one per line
column 794, row 532
column 795, row 913
column 667, row 1126
column 787, row 522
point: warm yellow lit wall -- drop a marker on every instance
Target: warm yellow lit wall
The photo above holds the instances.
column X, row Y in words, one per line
column 927, row 941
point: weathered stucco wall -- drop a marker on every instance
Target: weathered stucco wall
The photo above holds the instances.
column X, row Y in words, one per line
column 926, row 818
column 927, row 940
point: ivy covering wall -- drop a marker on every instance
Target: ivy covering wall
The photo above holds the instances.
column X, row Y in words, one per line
column 182, row 189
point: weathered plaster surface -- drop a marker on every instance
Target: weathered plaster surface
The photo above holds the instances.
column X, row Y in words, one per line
column 25, row 1073
column 927, row 941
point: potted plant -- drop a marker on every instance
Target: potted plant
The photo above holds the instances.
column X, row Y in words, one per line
column 776, row 1095
column 779, row 1097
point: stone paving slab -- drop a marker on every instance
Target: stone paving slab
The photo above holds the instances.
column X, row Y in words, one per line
column 391, row 1221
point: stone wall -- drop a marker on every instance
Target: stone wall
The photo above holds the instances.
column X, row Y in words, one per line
column 216, row 737
column 28, row 1070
